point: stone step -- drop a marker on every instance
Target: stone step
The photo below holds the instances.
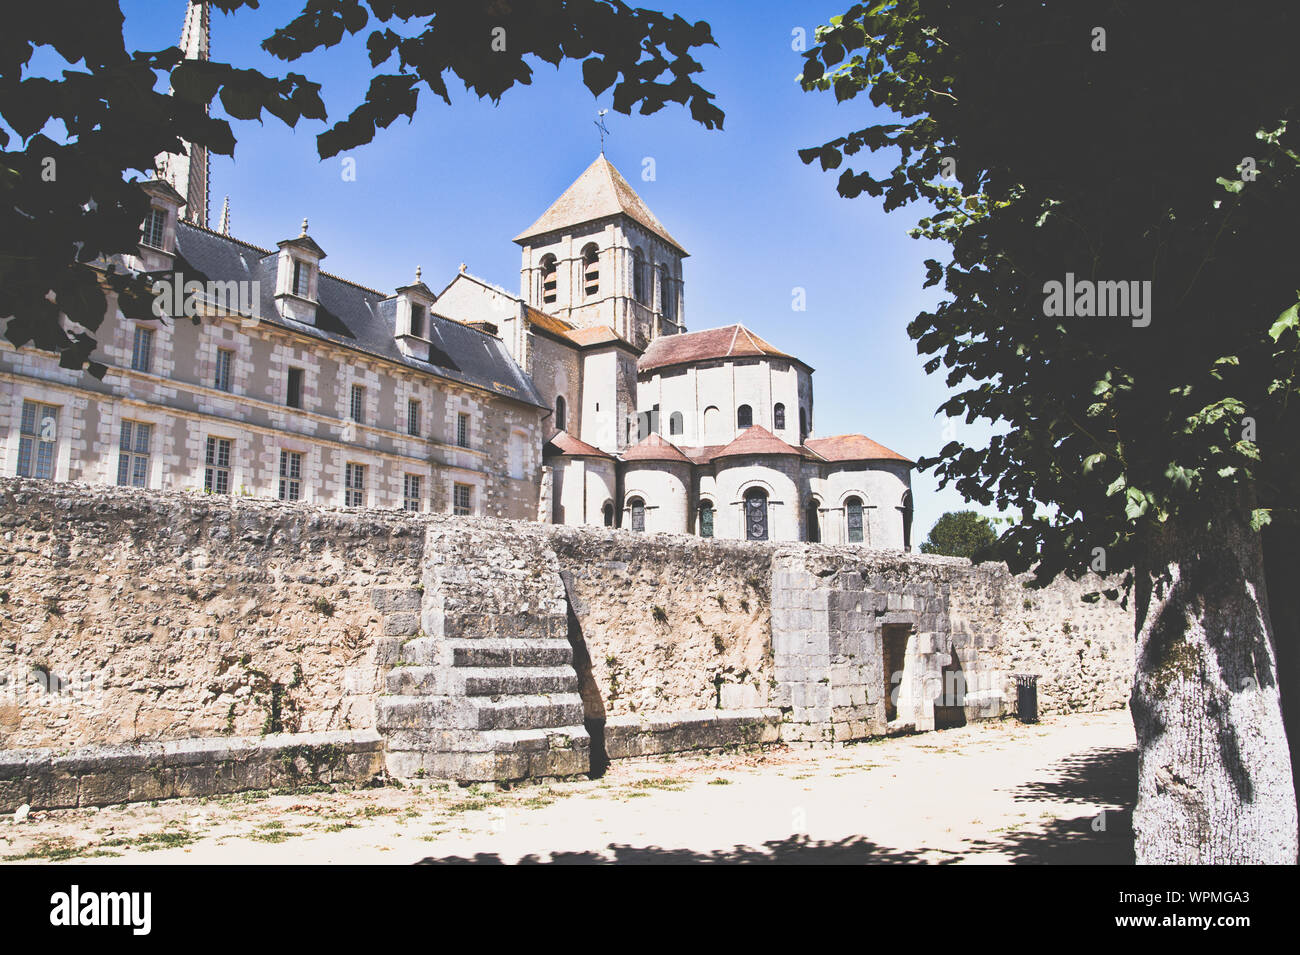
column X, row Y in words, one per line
column 500, row 755
column 533, row 711
column 481, row 681
column 486, row 652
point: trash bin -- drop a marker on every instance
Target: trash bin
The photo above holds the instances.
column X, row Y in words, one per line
column 1026, row 697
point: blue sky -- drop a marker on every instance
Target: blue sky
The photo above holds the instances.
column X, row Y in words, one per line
column 459, row 182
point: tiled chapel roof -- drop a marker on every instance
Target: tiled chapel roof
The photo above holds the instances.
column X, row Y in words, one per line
column 730, row 341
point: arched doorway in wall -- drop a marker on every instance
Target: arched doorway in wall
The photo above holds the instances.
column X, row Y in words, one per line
column 812, row 521
column 756, row 514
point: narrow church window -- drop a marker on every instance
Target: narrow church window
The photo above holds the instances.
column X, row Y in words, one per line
column 853, row 515
column 637, row 507
column 744, row 417
column 667, row 299
column 609, row 513
column 676, row 423
column 756, row 514
column 549, row 280
column 706, row 519
column 590, row 271
column 907, row 520
column 560, row 413
column 803, row 425
column 813, row 520
column 778, row 417
column 638, row 276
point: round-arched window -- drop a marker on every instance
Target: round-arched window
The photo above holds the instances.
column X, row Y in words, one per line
column 853, row 518
column 778, row 417
column 561, row 413
column 744, row 417
column 609, row 513
column 549, row 280
column 590, row 271
column 706, row 518
column 676, row 423
column 636, row 507
column 756, row 514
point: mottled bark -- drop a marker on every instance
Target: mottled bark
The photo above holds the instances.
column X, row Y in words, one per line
column 1282, row 575
column 1214, row 769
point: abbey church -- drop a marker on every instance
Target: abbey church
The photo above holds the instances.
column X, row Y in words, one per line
column 583, row 399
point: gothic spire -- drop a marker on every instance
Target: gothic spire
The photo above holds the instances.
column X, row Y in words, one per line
column 188, row 172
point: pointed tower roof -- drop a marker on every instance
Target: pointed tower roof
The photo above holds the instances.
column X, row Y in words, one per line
column 654, row 447
column 756, row 440
column 188, row 172
column 599, row 192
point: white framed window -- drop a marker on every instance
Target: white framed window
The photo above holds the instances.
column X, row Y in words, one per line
column 37, row 440
column 224, row 379
column 357, row 409
column 412, row 487
column 155, row 224
column 413, row 417
column 133, row 454
column 290, row 475
column 462, row 500
column 354, row 484
column 216, row 471
column 462, row 430
column 142, row 349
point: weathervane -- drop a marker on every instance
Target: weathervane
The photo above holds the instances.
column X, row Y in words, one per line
column 600, row 124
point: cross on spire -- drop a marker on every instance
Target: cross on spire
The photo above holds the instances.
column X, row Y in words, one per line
column 600, row 125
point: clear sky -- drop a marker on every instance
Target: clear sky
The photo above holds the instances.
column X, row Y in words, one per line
column 459, row 182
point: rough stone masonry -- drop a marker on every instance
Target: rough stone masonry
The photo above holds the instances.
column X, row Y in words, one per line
column 162, row 643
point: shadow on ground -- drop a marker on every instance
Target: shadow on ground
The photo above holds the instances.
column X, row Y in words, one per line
column 1104, row 777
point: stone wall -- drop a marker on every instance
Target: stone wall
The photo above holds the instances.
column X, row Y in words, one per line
column 135, row 618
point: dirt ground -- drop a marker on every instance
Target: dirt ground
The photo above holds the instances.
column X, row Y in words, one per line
column 1057, row 792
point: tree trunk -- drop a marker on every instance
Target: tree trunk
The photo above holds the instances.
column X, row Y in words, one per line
column 1282, row 575
column 1214, row 769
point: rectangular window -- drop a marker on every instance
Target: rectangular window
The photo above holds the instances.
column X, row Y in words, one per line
column 462, row 430
column 37, row 439
column 290, row 475
column 142, row 349
column 354, row 485
column 460, row 499
column 225, row 361
column 411, row 492
column 413, row 417
column 133, row 454
column 417, row 321
column 216, row 473
column 154, row 224
column 301, row 275
column 358, row 408
column 293, row 394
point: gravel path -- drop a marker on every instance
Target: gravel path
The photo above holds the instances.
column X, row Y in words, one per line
column 1058, row 792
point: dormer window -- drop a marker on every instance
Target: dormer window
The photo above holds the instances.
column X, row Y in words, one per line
column 301, row 278
column 417, row 321
column 155, row 225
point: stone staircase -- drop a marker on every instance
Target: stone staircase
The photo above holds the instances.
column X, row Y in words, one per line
column 487, row 691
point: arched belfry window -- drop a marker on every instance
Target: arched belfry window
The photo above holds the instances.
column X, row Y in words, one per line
column 706, row 518
column 590, row 271
column 853, row 519
column 550, row 275
column 676, row 423
column 636, row 509
column 756, row 514
column 778, row 417
column 744, row 417
column 561, row 413
column 638, row 276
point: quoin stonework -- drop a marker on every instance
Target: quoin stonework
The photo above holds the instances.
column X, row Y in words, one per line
column 582, row 400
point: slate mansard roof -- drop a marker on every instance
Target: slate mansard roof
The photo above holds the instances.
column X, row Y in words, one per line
column 356, row 317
